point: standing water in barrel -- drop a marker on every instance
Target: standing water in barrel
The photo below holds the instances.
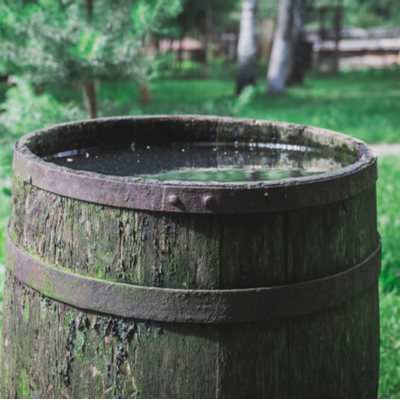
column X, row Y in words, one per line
column 205, row 162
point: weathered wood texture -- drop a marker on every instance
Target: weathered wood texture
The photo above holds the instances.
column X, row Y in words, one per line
column 52, row 350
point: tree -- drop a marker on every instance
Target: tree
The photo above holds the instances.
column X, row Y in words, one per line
column 191, row 17
column 77, row 42
column 278, row 66
column 365, row 13
column 298, row 56
column 203, row 18
column 247, row 47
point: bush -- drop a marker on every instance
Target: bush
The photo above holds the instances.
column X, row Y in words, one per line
column 24, row 112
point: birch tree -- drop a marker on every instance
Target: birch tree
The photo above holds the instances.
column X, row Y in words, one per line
column 247, row 47
column 279, row 62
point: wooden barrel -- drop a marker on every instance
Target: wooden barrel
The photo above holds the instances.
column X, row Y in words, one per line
column 120, row 287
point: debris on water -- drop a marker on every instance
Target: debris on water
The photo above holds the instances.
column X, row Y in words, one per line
column 70, row 159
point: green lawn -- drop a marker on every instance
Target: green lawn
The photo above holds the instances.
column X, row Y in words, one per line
column 389, row 227
column 363, row 104
column 389, row 379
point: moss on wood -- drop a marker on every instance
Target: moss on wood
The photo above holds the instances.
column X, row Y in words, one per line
column 53, row 350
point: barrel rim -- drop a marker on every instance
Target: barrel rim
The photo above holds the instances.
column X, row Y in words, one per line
column 198, row 197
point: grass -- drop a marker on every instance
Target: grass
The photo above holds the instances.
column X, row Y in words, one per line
column 389, row 219
column 364, row 104
column 389, row 379
column 388, row 187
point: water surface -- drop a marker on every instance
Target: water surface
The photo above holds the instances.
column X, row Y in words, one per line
column 204, row 162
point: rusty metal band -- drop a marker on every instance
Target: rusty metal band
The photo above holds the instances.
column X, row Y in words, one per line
column 192, row 306
column 129, row 193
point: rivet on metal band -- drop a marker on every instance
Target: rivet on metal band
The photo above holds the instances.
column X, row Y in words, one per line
column 192, row 306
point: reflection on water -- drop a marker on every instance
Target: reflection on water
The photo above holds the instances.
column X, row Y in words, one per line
column 204, row 162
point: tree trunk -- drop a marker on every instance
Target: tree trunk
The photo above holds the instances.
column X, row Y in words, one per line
column 247, row 48
column 145, row 93
column 90, row 90
column 297, row 57
column 338, row 33
column 268, row 29
column 39, row 89
column 180, row 48
column 277, row 71
column 206, row 29
column 90, row 100
column 322, row 37
column 89, row 7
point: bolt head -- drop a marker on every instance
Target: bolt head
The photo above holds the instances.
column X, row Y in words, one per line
column 173, row 199
column 209, row 201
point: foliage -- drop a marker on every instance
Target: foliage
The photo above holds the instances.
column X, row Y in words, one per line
column 25, row 112
column 372, row 13
column 219, row 69
column 365, row 13
column 62, row 42
column 225, row 16
column 268, row 9
column 3, row 89
column 244, row 99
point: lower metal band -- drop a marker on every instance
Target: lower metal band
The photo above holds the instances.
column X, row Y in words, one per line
column 192, row 306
